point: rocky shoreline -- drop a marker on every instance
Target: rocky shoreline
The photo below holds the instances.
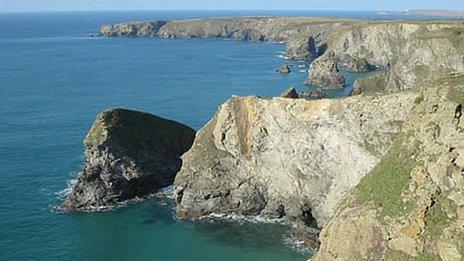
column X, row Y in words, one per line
column 379, row 173
column 407, row 54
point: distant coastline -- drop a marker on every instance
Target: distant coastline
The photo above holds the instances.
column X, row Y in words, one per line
column 434, row 12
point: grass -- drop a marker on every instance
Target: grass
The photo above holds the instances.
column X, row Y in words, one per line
column 384, row 185
column 137, row 131
column 394, row 255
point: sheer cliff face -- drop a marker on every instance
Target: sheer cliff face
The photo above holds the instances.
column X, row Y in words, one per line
column 128, row 154
column 300, row 34
column 407, row 54
column 285, row 157
column 411, row 54
column 411, row 205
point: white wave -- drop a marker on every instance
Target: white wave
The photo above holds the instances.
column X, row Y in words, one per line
column 65, row 192
column 302, row 71
column 238, row 217
column 301, row 65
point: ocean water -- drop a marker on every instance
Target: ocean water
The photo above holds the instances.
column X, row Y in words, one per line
column 54, row 79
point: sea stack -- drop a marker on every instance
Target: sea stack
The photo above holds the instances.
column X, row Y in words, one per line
column 128, row 154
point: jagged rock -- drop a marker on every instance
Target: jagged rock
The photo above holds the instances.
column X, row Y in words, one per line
column 284, row 69
column 290, row 158
column 324, row 73
column 412, row 54
column 301, row 48
column 128, row 154
column 132, row 29
column 290, row 93
column 312, row 95
column 406, row 208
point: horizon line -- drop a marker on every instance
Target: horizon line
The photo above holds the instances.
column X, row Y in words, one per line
column 219, row 9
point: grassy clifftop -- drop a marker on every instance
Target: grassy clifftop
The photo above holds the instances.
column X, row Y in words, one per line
column 415, row 194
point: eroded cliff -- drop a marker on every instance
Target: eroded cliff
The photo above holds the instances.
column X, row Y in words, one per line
column 286, row 157
column 411, row 205
column 128, row 154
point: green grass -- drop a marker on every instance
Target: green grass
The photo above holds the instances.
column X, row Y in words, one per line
column 137, row 130
column 384, row 185
column 394, row 255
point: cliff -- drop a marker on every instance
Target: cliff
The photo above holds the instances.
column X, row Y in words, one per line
column 411, row 204
column 406, row 54
column 289, row 158
column 128, row 154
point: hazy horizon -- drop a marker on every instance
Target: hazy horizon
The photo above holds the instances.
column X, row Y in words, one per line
column 228, row 5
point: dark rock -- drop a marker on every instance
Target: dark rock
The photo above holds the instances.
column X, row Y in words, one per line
column 301, row 48
column 313, row 95
column 290, row 93
column 307, row 236
column 132, row 29
column 324, row 73
column 284, row 69
column 128, row 154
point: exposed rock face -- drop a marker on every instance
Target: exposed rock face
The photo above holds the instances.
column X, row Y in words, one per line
column 284, row 69
column 301, row 48
column 318, row 94
column 411, row 205
column 290, row 93
column 290, row 158
column 325, row 73
column 409, row 54
column 132, row 29
column 128, row 154
column 301, row 34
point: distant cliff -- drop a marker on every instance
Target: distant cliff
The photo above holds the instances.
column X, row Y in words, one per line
column 405, row 54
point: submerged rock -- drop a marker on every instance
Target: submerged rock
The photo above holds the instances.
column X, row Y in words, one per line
column 313, row 95
column 290, row 93
column 284, row 69
column 128, row 154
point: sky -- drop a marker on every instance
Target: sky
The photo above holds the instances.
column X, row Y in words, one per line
column 353, row 5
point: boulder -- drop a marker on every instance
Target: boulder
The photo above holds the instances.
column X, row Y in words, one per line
column 290, row 93
column 284, row 69
column 313, row 95
column 128, row 154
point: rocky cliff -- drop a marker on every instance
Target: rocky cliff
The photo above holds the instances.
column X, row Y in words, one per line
column 301, row 34
column 408, row 55
column 411, row 205
column 289, row 158
column 128, row 154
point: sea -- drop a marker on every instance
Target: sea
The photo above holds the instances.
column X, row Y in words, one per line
column 55, row 77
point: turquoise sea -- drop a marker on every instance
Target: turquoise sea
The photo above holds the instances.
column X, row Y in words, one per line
column 55, row 78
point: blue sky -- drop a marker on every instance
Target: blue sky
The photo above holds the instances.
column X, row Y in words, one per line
column 361, row 5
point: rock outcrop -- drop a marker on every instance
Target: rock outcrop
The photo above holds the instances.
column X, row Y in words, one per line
column 408, row 55
column 290, row 93
column 301, row 34
column 289, row 158
column 284, row 69
column 132, row 29
column 325, row 73
column 411, row 205
column 128, row 154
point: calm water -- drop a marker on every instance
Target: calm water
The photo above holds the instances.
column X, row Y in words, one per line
column 54, row 79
